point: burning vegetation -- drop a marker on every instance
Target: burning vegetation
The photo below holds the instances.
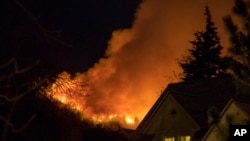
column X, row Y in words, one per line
column 74, row 92
column 139, row 62
column 137, row 66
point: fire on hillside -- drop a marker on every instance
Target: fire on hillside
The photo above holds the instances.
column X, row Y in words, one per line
column 74, row 93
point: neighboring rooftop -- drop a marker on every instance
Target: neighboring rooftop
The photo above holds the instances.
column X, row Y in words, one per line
column 196, row 97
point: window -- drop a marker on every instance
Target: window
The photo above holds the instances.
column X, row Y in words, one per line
column 184, row 138
column 169, row 139
column 178, row 138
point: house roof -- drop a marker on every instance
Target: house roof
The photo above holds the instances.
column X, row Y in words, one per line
column 245, row 107
column 196, row 97
column 243, row 101
column 243, row 104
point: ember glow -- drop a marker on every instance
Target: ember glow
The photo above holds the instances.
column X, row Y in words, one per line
column 139, row 63
column 129, row 120
column 68, row 91
column 73, row 92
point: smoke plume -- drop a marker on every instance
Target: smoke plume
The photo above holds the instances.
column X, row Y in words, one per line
column 141, row 61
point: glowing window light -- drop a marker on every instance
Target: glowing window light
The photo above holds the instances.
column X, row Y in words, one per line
column 169, row 139
column 129, row 120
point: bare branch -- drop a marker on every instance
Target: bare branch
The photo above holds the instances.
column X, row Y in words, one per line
column 6, row 98
column 6, row 121
column 23, row 70
column 16, row 69
column 6, row 77
column 34, row 87
column 8, row 63
column 21, row 95
column 40, row 27
column 13, row 128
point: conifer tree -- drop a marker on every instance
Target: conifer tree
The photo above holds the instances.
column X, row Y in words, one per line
column 240, row 45
column 204, row 60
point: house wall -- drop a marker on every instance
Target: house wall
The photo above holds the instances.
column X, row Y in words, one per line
column 219, row 132
column 170, row 120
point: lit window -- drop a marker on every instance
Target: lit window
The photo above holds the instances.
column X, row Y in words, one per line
column 178, row 138
column 169, row 139
column 184, row 138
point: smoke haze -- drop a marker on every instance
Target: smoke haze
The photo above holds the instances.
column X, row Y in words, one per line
column 141, row 61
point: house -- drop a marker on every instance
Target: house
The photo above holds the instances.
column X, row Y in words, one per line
column 236, row 112
column 180, row 113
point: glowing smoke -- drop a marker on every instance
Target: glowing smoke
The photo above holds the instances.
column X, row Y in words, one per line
column 141, row 61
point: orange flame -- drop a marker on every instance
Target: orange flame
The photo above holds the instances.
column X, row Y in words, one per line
column 129, row 120
column 125, row 84
column 74, row 93
column 68, row 91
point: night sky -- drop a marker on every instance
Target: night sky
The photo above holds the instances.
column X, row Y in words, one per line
column 126, row 48
column 86, row 25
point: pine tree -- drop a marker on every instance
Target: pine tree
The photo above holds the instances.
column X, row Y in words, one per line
column 204, row 60
column 240, row 45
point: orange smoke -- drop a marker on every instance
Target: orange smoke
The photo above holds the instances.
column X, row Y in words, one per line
column 139, row 62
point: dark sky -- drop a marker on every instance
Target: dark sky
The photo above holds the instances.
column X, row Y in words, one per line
column 142, row 56
column 86, row 24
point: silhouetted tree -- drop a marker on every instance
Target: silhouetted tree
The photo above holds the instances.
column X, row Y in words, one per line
column 19, row 75
column 23, row 69
column 13, row 92
column 240, row 44
column 204, row 60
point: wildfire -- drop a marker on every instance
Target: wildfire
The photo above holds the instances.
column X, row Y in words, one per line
column 124, row 120
column 139, row 62
column 74, row 92
column 129, row 120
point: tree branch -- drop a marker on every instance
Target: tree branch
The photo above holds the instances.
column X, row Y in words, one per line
column 20, row 129
column 40, row 27
column 7, row 63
